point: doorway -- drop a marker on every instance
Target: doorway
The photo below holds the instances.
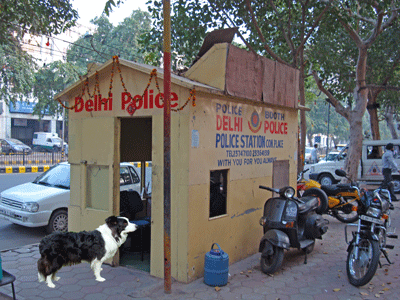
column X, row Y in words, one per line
column 135, row 200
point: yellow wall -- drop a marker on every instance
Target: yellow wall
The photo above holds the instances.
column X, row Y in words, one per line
column 238, row 232
column 210, row 69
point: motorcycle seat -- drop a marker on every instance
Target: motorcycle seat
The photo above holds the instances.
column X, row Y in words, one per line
column 310, row 203
column 334, row 189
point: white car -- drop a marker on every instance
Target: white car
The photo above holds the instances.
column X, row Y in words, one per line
column 45, row 201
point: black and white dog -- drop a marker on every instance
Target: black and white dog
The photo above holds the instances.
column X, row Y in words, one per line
column 69, row 248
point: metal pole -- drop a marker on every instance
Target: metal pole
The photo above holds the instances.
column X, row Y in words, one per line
column 327, row 136
column 167, row 146
column 63, row 134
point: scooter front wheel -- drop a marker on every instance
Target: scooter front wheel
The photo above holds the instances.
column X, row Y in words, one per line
column 271, row 262
column 361, row 267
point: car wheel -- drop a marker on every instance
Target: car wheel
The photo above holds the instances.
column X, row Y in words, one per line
column 396, row 185
column 326, row 179
column 58, row 221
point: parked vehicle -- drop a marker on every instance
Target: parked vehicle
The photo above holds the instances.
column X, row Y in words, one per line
column 369, row 170
column 288, row 222
column 47, row 141
column 9, row 146
column 342, row 198
column 45, row 201
column 369, row 239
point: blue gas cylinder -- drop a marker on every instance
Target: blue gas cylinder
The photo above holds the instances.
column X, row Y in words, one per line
column 1, row 269
column 216, row 267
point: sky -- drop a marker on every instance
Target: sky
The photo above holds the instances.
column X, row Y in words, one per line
column 89, row 9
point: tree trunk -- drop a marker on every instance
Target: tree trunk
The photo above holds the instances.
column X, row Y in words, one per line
column 353, row 153
column 373, row 117
column 389, row 122
column 355, row 117
column 303, row 125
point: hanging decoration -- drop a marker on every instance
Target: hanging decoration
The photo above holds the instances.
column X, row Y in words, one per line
column 131, row 109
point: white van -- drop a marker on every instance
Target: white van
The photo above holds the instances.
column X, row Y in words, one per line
column 47, row 141
column 369, row 170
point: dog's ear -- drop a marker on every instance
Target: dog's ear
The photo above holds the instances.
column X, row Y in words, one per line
column 113, row 220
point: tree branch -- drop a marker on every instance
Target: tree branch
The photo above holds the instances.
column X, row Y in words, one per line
column 345, row 112
column 383, row 87
column 285, row 34
column 317, row 20
column 261, row 36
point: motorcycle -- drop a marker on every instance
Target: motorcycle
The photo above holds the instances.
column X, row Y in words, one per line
column 341, row 197
column 288, row 222
column 369, row 239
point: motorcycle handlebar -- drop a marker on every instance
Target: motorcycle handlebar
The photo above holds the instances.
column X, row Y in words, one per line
column 267, row 188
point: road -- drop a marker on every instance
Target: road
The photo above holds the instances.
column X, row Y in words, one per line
column 11, row 235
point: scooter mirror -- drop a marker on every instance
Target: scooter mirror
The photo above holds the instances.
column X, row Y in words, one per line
column 340, row 173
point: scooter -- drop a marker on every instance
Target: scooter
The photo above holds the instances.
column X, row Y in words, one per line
column 288, row 222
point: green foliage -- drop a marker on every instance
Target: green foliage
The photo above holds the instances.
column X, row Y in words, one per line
column 16, row 76
column 36, row 17
column 317, row 117
column 50, row 80
column 17, row 18
column 385, row 73
column 189, row 23
column 108, row 41
column 284, row 26
column 97, row 48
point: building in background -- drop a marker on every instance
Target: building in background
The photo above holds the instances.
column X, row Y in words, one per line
column 17, row 120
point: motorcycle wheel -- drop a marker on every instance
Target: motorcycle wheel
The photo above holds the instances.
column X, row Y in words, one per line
column 362, row 268
column 321, row 196
column 271, row 263
column 345, row 213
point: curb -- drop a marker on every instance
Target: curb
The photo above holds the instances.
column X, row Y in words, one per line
column 24, row 169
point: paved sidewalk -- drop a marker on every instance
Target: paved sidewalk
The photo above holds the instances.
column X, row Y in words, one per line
column 322, row 278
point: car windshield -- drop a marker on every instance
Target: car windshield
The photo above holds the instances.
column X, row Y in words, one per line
column 331, row 156
column 15, row 142
column 57, row 176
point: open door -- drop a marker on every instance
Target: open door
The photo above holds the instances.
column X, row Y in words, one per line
column 94, row 172
column 136, row 149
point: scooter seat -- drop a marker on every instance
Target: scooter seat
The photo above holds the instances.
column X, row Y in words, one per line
column 334, row 189
column 310, row 203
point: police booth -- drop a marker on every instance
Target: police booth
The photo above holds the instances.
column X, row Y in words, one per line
column 233, row 127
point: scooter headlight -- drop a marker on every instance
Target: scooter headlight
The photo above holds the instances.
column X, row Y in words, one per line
column 374, row 212
column 289, row 192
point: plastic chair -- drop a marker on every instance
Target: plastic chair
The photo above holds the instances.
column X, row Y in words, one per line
column 141, row 224
column 7, row 279
column 130, row 204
